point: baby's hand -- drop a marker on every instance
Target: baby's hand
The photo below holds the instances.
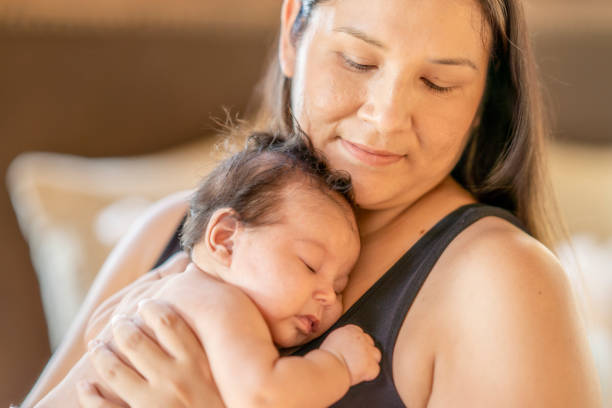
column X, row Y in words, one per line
column 351, row 345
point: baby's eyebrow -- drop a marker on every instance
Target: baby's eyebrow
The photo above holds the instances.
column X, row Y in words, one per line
column 318, row 246
column 312, row 242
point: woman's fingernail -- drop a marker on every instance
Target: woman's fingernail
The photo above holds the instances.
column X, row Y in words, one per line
column 116, row 318
column 96, row 349
column 84, row 385
column 93, row 344
column 143, row 303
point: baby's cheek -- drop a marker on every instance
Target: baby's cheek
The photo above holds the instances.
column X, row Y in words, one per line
column 284, row 335
column 331, row 315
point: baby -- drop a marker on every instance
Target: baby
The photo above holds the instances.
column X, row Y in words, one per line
column 272, row 238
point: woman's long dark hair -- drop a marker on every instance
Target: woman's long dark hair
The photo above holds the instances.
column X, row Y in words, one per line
column 503, row 163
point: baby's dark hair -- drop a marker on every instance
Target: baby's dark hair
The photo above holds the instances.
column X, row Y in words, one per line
column 251, row 182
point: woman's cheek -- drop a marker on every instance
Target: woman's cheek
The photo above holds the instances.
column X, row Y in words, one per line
column 446, row 124
column 334, row 94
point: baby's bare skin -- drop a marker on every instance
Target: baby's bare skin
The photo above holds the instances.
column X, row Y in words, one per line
column 241, row 344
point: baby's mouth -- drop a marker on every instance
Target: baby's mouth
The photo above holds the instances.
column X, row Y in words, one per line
column 307, row 324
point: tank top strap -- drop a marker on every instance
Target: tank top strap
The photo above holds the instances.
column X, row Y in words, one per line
column 382, row 310
column 409, row 273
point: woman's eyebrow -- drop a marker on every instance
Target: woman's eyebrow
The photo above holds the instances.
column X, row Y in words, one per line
column 365, row 37
column 360, row 35
column 454, row 61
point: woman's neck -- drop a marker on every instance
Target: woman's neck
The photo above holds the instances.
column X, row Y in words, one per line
column 433, row 203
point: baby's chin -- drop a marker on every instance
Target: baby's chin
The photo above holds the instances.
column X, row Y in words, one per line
column 287, row 338
column 293, row 341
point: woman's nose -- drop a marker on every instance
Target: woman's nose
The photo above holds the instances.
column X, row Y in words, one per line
column 387, row 106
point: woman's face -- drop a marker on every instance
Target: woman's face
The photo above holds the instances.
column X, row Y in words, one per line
column 388, row 89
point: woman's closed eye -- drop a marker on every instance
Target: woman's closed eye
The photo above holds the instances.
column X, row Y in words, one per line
column 437, row 88
column 353, row 65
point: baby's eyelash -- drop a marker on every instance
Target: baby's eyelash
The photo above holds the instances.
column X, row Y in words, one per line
column 437, row 88
column 309, row 267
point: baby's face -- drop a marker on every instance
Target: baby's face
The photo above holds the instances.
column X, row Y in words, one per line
column 296, row 269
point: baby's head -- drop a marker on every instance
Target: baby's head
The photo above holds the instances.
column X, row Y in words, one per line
column 276, row 222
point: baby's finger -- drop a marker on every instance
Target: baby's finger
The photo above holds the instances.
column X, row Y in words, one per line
column 145, row 355
column 373, row 373
column 122, row 379
column 89, row 397
column 377, row 355
column 171, row 331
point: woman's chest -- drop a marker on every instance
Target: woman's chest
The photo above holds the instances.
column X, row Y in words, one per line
column 376, row 258
column 405, row 306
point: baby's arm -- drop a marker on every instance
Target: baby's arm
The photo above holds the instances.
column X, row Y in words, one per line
column 246, row 365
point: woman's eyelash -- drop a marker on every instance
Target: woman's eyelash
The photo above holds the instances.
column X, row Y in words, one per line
column 355, row 65
column 437, row 88
column 361, row 67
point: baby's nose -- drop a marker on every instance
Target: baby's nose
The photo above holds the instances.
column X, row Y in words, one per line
column 326, row 296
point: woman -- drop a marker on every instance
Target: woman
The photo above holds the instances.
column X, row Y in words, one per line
column 432, row 107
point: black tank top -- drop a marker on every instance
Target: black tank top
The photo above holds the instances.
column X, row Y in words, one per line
column 380, row 312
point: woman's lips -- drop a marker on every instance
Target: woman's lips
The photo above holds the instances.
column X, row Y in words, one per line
column 370, row 156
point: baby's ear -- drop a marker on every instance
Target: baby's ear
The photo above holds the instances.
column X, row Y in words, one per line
column 220, row 235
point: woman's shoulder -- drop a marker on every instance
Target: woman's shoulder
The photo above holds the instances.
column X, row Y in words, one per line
column 495, row 250
column 508, row 319
column 163, row 216
column 169, row 207
column 145, row 240
column 504, row 265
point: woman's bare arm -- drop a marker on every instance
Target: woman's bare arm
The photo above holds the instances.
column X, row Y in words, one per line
column 135, row 255
column 509, row 331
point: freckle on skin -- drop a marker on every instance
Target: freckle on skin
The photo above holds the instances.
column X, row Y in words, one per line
column 422, row 232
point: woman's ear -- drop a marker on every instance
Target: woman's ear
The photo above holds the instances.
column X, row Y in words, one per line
column 220, row 235
column 287, row 46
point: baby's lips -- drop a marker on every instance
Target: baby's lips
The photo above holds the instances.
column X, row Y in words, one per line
column 308, row 323
column 316, row 323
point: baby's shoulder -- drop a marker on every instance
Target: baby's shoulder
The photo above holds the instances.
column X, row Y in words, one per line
column 197, row 293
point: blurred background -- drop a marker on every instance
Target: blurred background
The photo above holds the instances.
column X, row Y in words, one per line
column 106, row 106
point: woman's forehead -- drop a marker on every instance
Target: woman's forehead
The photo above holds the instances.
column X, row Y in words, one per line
column 445, row 24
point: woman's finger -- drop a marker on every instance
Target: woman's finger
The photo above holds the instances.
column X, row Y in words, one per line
column 170, row 330
column 148, row 284
column 176, row 374
column 145, row 355
column 125, row 300
column 89, row 397
column 117, row 374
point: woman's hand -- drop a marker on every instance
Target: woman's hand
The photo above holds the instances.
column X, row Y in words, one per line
column 126, row 300
column 171, row 371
